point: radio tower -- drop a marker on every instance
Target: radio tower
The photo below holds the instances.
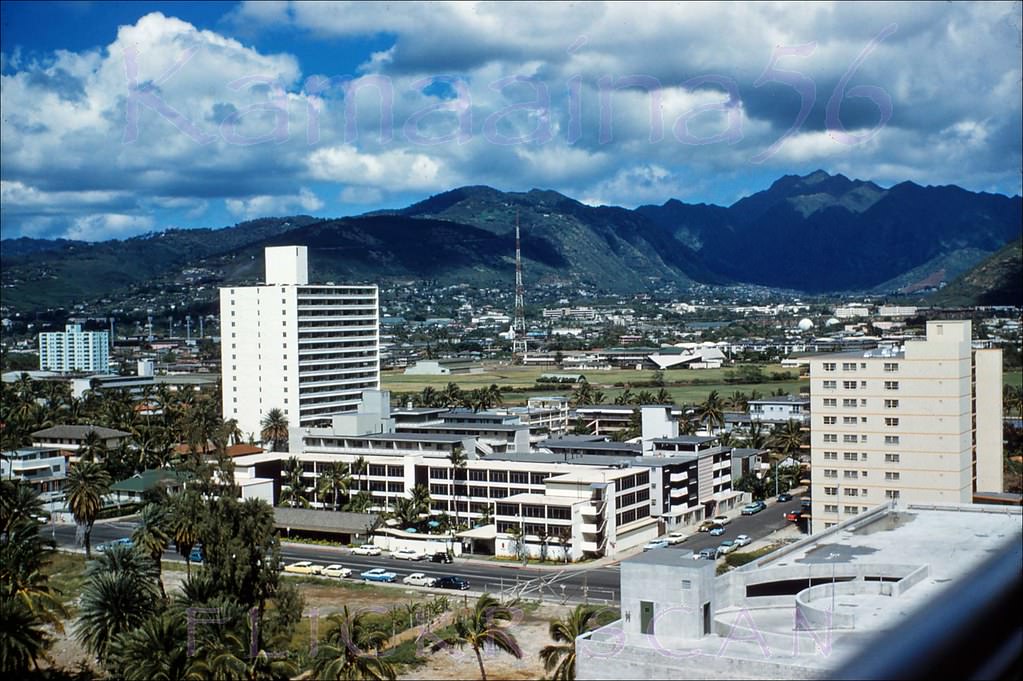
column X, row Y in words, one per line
column 519, row 325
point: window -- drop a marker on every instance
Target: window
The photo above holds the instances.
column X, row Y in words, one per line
column 891, row 366
column 687, row 585
column 891, row 458
column 849, row 420
column 891, row 494
column 863, row 456
column 850, row 475
column 831, row 508
column 849, row 438
column 830, row 473
column 828, row 366
column 830, row 385
column 849, row 385
column 889, row 475
column 891, row 422
column 849, row 403
column 891, row 385
column 863, row 474
column 852, row 510
column 848, row 366
column 891, row 404
column 852, row 492
column 830, row 420
column 891, row 439
column 849, row 456
column 863, row 384
column 831, row 491
column 830, row 456
column 830, row 437
column 830, row 402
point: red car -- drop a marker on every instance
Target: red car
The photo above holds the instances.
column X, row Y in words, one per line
column 794, row 516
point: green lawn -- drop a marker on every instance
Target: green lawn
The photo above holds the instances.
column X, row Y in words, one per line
column 1013, row 377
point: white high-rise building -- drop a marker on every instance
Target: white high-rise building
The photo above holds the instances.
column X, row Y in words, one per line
column 306, row 349
column 919, row 424
column 74, row 350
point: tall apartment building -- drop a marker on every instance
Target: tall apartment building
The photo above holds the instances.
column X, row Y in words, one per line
column 306, row 349
column 74, row 350
column 919, row 424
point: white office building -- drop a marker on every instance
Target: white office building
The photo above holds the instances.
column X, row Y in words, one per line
column 306, row 349
column 920, row 424
column 74, row 350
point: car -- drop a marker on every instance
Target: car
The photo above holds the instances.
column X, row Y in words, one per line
column 726, row 547
column 123, row 541
column 743, row 540
column 378, row 575
column 706, row 526
column 419, row 579
column 804, row 503
column 794, row 516
column 783, row 497
column 304, row 567
column 335, row 570
column 717, row 531
column 656, row 544
column 442, row 557
column 408, row 554
column 721, row 519
column 677, row 538
column 196, row 554
column 367, row 550
column 754, row 508
column 706, row 554
column 456, row 583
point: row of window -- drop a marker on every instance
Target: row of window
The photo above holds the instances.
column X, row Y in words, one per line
column 852, row 385
column 851, row 366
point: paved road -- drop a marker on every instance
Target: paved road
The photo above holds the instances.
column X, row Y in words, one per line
column 597, row 584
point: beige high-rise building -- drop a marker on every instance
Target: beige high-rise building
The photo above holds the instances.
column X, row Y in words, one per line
column 918, row 424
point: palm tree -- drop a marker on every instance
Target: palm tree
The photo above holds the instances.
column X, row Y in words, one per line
column 421, row 500
column 275, row 428
column 23, row 638
column 459, row 462
column 358, row 469
column 582, row 395
column 152, row 651
column 738, row 401
column 345, row 653
column 788, row 438
column 559, row 660
column 428, row 397
column 451, row 396
column 111, row 604
column 1012, row 400
column 186, row 519
column 756, row 438
column 626, row 397
column 663, row 397
column 711, row 411
column 294, row 493
column 87, row 484
column 483, row 625
column 92, row 446
column 151, row 537
column 334, row 479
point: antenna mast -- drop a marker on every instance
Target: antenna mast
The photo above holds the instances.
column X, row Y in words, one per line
column 519, row 325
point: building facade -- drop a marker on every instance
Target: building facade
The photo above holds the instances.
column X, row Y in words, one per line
column 43, row 468
column 74, row 350
column 306, row 349
column 920, row 424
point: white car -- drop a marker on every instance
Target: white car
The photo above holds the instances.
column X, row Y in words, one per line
column 677, row 537
column 721, row 519
column 419, row 579
column 336, row 570
column 304, row 567
column 656, row 544
column 408, row 554
column 727, row 546
column 742, row 540
column 367, row 550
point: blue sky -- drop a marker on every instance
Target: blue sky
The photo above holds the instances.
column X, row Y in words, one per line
column 123, row 118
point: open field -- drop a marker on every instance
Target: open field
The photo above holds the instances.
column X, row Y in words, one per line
column 1013, row 378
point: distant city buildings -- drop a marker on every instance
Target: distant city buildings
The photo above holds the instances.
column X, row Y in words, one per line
column 74, row 350
column 920, row 423
column 306, row 349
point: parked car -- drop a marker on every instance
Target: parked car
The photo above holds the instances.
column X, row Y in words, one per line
column 721, row 519
column 335, row 570
column 794, row 516
column 743, row 540
column 442, row 557
column 656, row 544
column 754, row 508
column 196, row 554
column 726, row 547
column 419, row 579
column 367, row 550
column 783, row 497
column 677, row 537
column 378, row 575
column 123, row 541
column 408, row 554
column 452, row 583
column 717, row 531
column 706, row 554
column 706, row 526
column 304, row 567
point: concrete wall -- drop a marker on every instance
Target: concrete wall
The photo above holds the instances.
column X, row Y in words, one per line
column 677, row 591
column 988, row 376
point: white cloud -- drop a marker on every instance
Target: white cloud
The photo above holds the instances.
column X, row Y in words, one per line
column 267, row 205
column 104, row 226
column 394, row 170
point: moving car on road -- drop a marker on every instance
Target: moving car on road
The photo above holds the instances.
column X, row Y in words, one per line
column 754, row 508
column 336, row 570
column 123, row 541
column 419, row 579
column 656, row 544
column 794, row 516
column 743, row 540
column 408, row 554
column 456, row 583
column 378, row 575
column 721, row 519
column 304, row 567
column 677, row 538
column 706, row 526
column 783, row 497
column 726, row 547
column 196, row 555
column 367, row 550
column 442, row 557
column 717, row 531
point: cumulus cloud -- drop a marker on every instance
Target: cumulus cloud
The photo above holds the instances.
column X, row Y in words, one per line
column 259, row 206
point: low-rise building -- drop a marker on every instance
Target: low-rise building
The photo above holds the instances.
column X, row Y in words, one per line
column 43, row 468
column 780, row 409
